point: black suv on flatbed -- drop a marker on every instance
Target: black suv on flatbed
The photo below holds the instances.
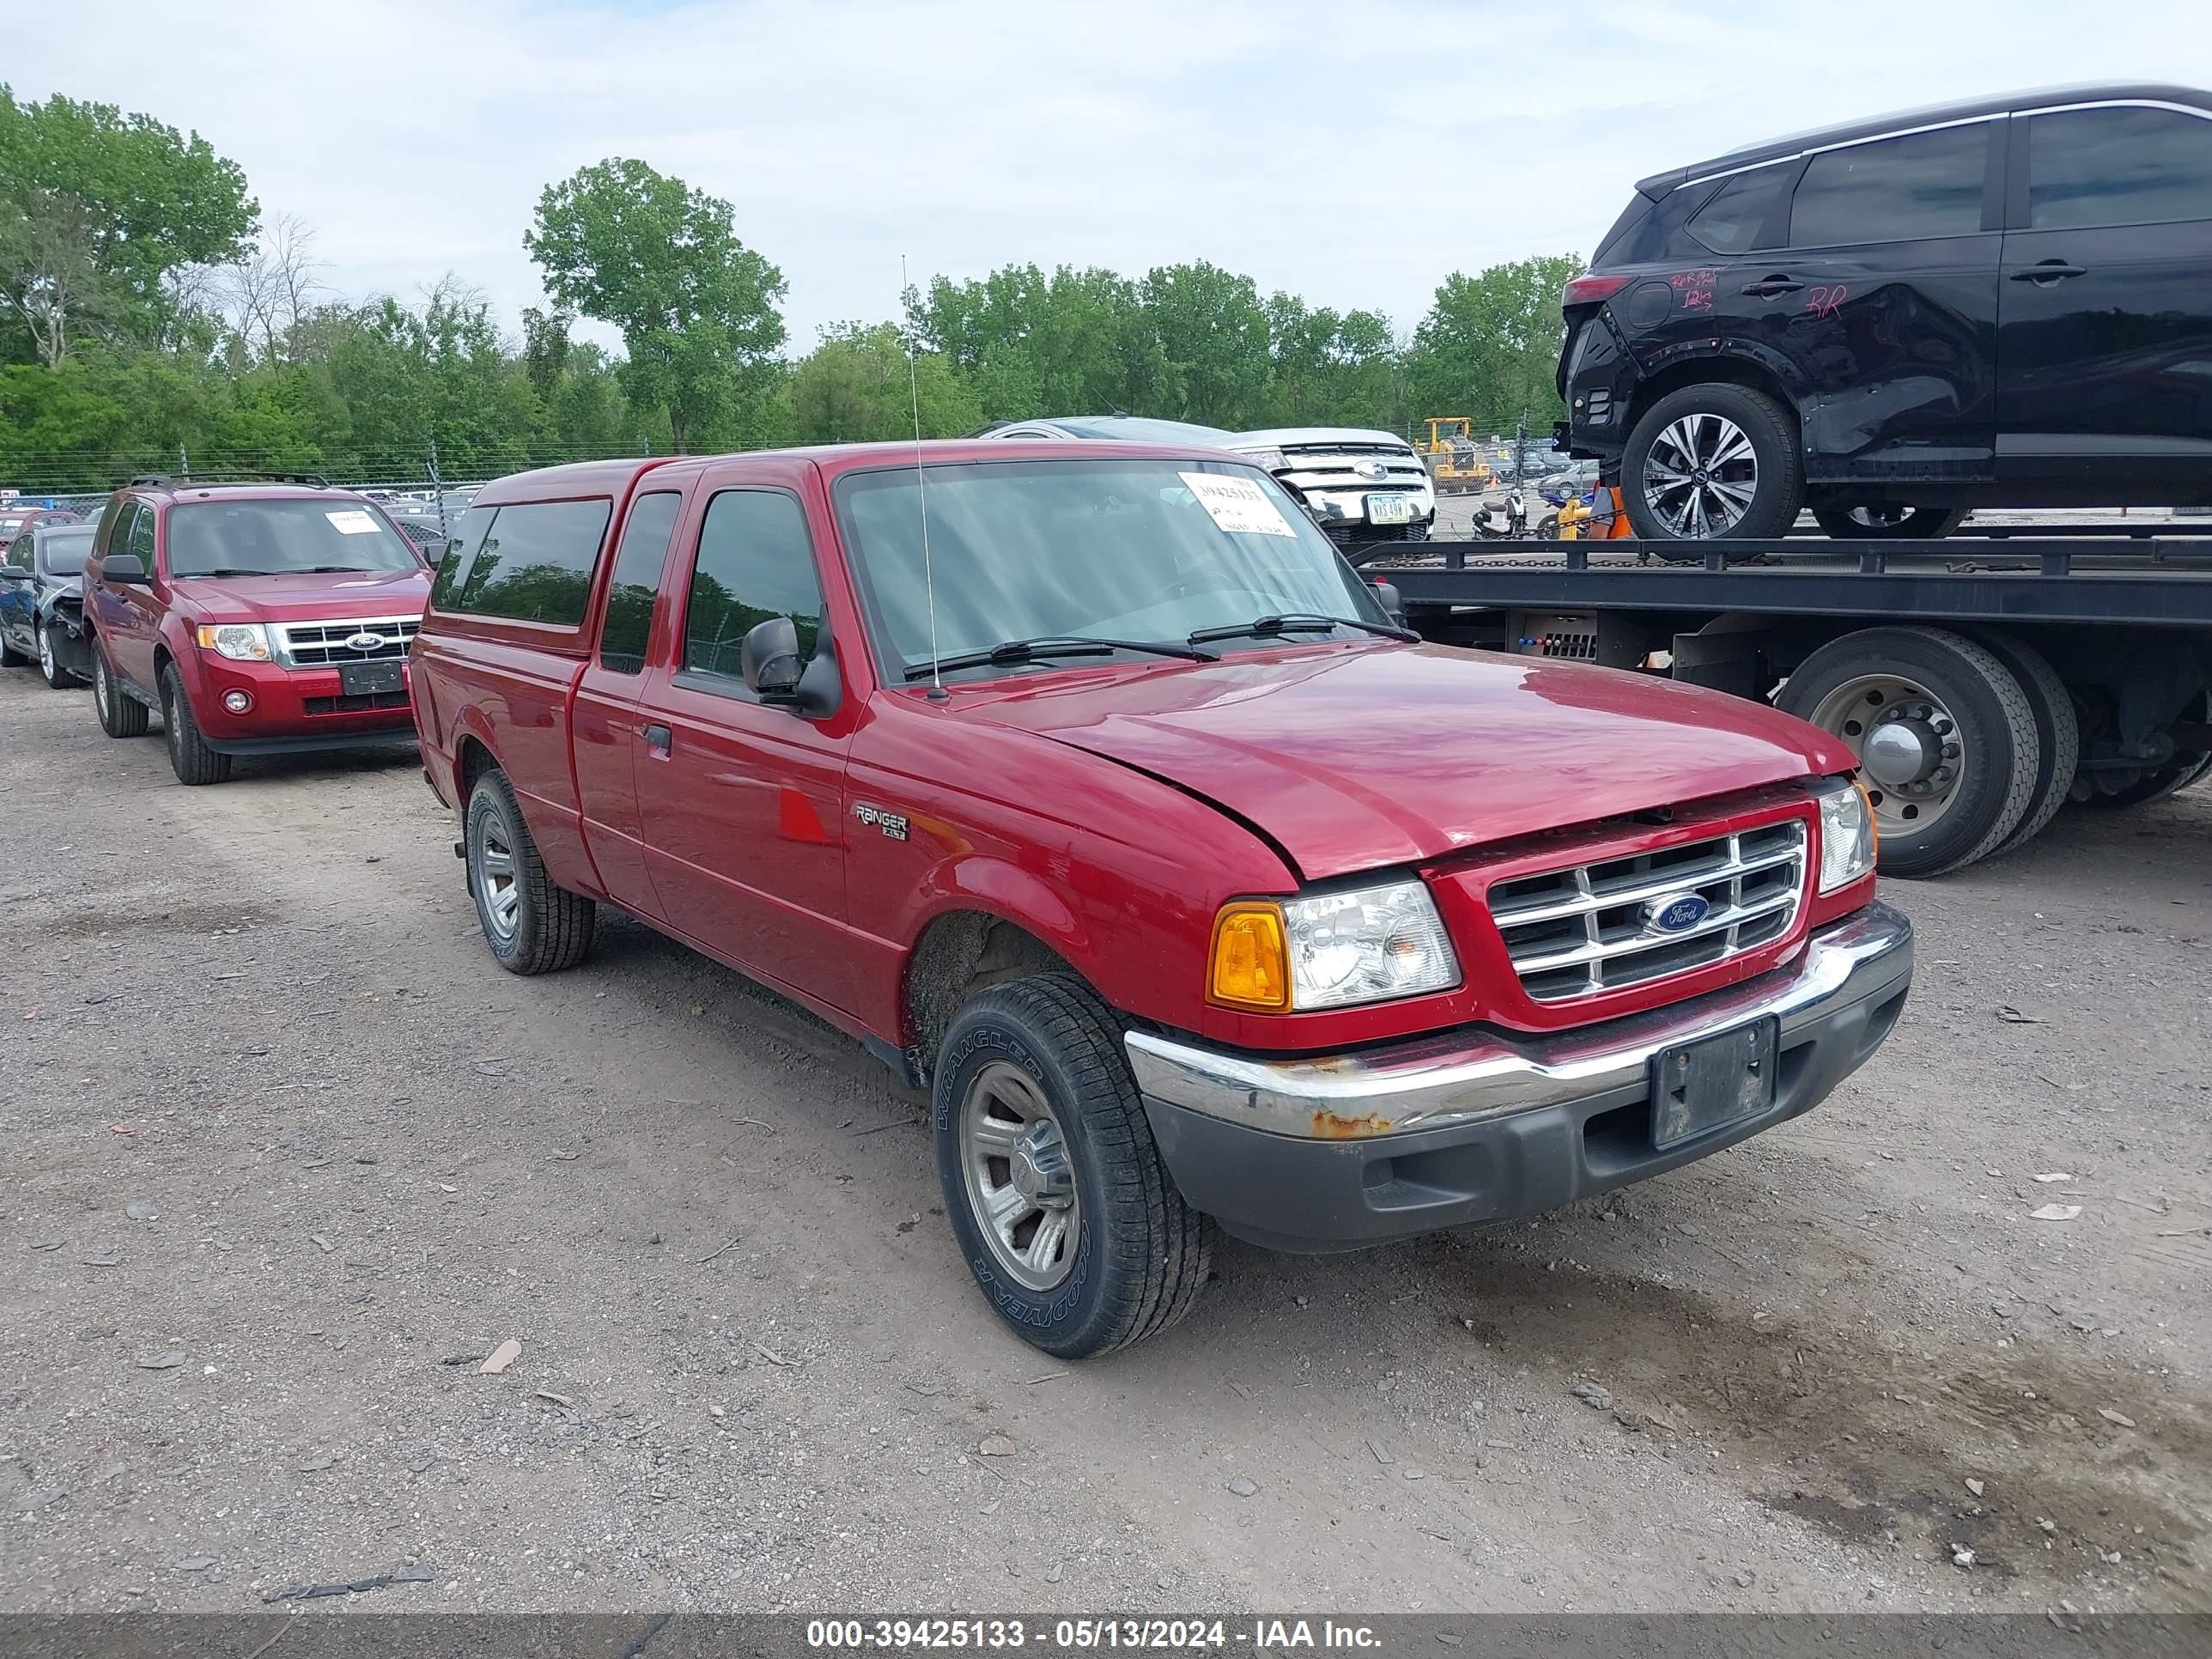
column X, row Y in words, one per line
column 2004, row 302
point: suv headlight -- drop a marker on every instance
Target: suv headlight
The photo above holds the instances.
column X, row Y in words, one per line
column 1848, row 841
column 1331, row 951
column 239, row 641
column 1270, row 460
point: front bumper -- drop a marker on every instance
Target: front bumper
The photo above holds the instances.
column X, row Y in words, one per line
column 1343, row 1150
column 294, row 710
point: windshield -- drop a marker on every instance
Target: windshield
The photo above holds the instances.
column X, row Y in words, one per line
column 274, row 537
column 1120, row 549
column 61, row 552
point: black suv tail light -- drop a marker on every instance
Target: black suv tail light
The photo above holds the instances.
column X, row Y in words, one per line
column 1589, row 290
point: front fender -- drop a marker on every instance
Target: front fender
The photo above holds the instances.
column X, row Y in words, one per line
column 979, row 881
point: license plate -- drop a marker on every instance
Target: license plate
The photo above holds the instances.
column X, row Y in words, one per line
column 1701, row 1087
column 1389, row 509
column 364, row 679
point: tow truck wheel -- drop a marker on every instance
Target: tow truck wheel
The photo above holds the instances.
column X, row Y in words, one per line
column 189, row 753
column 1945, row 736
column 532, row 925
column 120, row 715
column 1885, row 523
column 2057, row 731
column 1057, row 1195
column 1709, row 462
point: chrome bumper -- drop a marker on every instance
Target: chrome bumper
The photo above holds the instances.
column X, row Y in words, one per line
column 1455, row 1079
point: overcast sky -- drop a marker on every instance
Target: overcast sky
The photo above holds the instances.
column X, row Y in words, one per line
column 1354, row 152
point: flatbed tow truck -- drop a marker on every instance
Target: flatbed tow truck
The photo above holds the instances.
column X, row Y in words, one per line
column 1983, row 679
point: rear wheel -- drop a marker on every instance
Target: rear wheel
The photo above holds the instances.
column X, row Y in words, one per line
column 532, row 925
column 1945, row 736
column 2057, row 731
column 9, row 656
column 1056, row 1191
column 1711, row 462
column 1884, row 523
column 120, row 715
column 189, row 755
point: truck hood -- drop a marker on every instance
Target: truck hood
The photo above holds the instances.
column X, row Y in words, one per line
column 1283, row 436
column 1356, row 757
column 360, row 594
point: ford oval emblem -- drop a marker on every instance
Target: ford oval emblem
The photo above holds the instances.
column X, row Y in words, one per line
column 1370, row 470
column 366, row 640
column 1677, row 913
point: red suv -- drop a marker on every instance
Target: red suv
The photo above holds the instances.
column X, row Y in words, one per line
column 1086, row 784
column 259, row 618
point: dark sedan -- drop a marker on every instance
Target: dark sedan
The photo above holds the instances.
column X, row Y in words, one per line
column 42, row 601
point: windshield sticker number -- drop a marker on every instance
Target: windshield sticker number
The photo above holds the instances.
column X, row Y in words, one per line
column 1238, row 506
column 353, row 522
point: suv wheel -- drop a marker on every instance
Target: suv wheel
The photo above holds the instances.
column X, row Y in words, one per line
column 1945, row 734
column 9, row 656
column 120, row 715
column 189, row 753
column 1712, row 461
column 50, row 666
column 1885, row 522
column 531, row 926
column 1057, row 1195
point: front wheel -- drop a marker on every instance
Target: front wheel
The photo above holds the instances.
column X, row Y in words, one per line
column 1057, row 1195
column 190, row 756
column 532, row 925
column 1709, row 462
column 1889, row 523
column 49, row 668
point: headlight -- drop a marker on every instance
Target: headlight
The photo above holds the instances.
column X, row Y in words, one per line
column 239, row 641
column 1272, row 460
column 1332, row 951
column 1847, row 836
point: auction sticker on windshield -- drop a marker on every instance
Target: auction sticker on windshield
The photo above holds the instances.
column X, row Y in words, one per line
column 353, row 522
column 1237, row 505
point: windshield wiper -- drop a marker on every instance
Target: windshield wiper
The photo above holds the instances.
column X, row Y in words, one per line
column 1069, row 645
column 1299, row 621
column 339, row 570
column 220, row 570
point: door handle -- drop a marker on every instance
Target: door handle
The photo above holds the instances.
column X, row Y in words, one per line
column 1772, row 286
column 657, row 738
column 2047, row 271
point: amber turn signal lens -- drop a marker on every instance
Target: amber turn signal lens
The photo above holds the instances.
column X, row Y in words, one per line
column 1251, row 966
column 1874, row 825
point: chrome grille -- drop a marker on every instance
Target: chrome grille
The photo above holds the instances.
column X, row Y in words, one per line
column 325, row 644
column 1586, row 929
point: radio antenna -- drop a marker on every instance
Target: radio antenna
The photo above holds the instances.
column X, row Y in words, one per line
column 937, row 692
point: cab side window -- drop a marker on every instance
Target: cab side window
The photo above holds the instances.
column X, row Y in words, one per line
column 636, row 580
column 756, row 560
column 2121, row 165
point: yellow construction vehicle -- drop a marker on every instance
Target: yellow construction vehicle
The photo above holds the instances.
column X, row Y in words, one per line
column 1450, row 455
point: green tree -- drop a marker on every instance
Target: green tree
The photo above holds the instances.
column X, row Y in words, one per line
column 1212, row 336
column 100, row 214
column 854, row 388
column 1077, row 343
column 662, row 262
column 1489, row 347
column 1326, row 368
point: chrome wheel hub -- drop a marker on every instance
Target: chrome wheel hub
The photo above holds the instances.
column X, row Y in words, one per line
column 1908, row 743
column 46, row 652
column 1019, row 1176
column 491, row 862
column 1701, row 476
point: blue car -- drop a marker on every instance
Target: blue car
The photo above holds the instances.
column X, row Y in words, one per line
column 42, row 602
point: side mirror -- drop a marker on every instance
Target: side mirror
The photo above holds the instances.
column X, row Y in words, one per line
column 769, row 659
column 124, row 569
column 1392, row 606
column 15, row 572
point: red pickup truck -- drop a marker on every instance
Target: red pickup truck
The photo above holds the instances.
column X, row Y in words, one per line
column 258, row 619
column 1089, row 787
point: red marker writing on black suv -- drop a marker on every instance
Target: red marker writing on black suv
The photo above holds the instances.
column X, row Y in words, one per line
column 258, row 619
column 1086, row 785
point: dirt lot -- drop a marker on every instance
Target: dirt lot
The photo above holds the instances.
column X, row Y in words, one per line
column 286, row 1154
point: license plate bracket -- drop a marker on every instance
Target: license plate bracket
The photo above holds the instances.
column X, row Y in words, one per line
column 368, row 679
column 1389, row 509
column 1699, row 1087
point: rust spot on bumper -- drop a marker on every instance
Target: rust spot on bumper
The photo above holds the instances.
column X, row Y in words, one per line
column 1334, row 1125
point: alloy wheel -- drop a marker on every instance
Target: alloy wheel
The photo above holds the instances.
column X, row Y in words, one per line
column 46, row 656
column 1908, row 744
column 1701, row 476
column 1020, row 1177
column 491, row 863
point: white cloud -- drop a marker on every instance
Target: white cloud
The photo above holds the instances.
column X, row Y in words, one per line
column 1354, row 152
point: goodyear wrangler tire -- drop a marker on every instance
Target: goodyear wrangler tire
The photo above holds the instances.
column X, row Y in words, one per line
column 532, row 925
column 1057, row 1195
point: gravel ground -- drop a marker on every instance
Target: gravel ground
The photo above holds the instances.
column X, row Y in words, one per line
column 287, row 1155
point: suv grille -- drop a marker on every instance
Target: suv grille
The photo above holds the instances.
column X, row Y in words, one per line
column 325, row 644
column 1577, row 932
column 1329, row 466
